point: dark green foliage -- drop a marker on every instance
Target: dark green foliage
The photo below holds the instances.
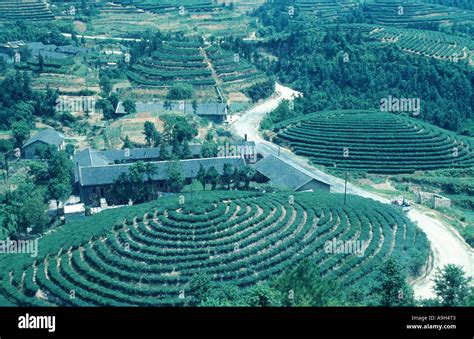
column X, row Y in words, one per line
column 240, row 241
column 152, row 136
column 175, row 177
column 129, row 106
column 261, row 90
column 338, row 70
column 304, row 286
column 392, row 288
column 452, row 286
column 180, row 92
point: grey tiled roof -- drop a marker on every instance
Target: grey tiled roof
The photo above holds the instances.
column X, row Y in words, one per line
column 91, row 157
column 282, row 173
column 207, row 108
column 107, row 174
column 48, row 136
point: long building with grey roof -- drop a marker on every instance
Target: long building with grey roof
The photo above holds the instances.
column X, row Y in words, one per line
column 96, row 172
column 281, row 173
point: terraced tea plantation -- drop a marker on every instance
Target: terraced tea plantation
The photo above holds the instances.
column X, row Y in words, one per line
column 374, row 141
column 172, row 63
column 28, row 10
column 165, row 6
column 426, row 43
column 196, row 18
column 146, row 255
column 404, row 13
column 320, row 9
column 233, row 71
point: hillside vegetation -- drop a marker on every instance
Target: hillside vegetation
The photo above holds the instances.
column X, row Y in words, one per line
column 147, row 255
column 376, row 142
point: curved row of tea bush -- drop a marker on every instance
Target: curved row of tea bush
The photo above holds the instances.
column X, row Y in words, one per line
column 147, row 255
column 373, row 141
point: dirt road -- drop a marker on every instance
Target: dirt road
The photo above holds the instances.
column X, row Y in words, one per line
column 446, row 245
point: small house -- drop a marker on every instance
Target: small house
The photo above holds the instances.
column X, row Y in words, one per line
column 45, row 137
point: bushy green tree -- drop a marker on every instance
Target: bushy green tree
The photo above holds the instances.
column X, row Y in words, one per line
column 180, row 92
column 304, row 286
column 392, row 288
column 175, row 177
column 452, row 286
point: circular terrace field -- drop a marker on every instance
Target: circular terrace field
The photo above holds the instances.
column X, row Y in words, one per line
column 373, row 141
column 149, row 257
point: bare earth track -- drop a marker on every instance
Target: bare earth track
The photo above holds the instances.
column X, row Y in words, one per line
column 447, row 246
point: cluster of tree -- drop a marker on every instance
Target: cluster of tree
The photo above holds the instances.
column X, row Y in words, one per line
column 20, row 104
column 25, row 206
column 338, row 70
column 180, row 91
column 174, row 141
column 261, row 90
column 137, row 184
column 231, row 177
column 46, row 33
column 108, row 104
column 304, row 286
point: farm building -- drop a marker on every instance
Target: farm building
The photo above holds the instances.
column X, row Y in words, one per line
column 55, row 52
column 45, row 137
column 213, row 111
column 95, row 176
column 278, row 172
column 91, row 157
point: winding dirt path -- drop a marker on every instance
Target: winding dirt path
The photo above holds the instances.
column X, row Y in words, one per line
column 447, row 246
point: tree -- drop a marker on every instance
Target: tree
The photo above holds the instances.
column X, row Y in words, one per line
column 105, row 84
column 149, row 129
column 40, row 64
column 21, row 132
column 152, row 136
column 180, row 92
column 70, row 150
column 451, row 286
column 262, row 295
column 177, row 128
column 392, row 288
column 136, row 174
column 150, row 171
column 227, row 174
column 236, row 176
column 224, row 294
column 175, row 177
column 114, row 99
column 127, row 143
column 108, row 110
column 212, row 176
column 60, row 172
column 58, row 191
column 25, row 208
column 304, row 286
column 164, row 153
column 186, row 151
column 202, row 176
column 209, row 149
column 195, row 106
column 248, row 174
column 129, row 106
column 200, row 285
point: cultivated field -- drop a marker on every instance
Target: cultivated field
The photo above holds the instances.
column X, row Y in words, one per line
column 376, row 142
column 146, row 255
